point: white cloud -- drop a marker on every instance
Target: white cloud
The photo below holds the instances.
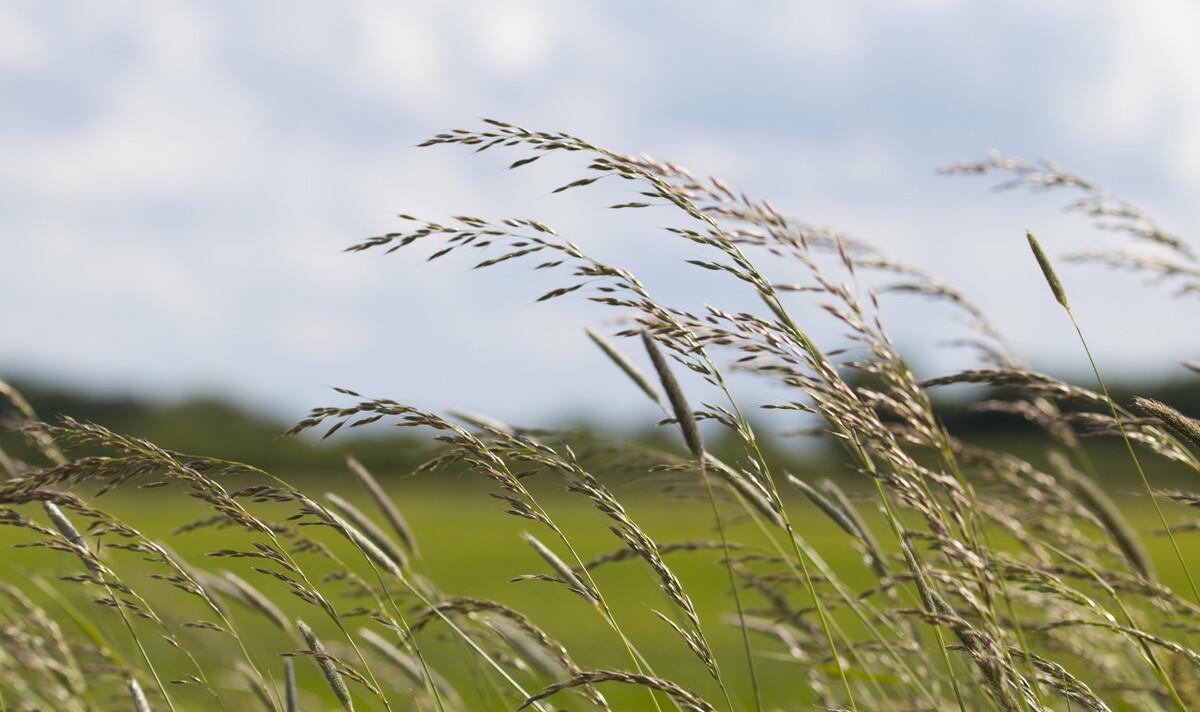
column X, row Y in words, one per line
column 22, row 48
column 172, row 124
column 833, row 29
column 184, row 212
column 397, row 53
column 1144, row 95
column 512, row 37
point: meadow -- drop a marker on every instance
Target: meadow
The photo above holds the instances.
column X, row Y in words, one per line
column 471, row 548
column 917, row 569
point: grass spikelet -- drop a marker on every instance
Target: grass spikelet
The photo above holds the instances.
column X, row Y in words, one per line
column 1186, row 427
column 368, row 547
column 1047, row 270
column 566, row 573
column 683, row 414
column 878, row 560
column 639, row 379
column 139, row 698
column 848, row 522
column 328, row 669
column 256, row 601
column 410, row 666
column 369, row 529
column 385, row 504
column 1101, row 505
column 1066, row 684
column 62, row 524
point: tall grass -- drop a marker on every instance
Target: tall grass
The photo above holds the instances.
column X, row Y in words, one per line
column 991, row 582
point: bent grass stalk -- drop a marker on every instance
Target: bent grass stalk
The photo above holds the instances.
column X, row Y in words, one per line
column 779, row 517
column 776, row 305
column 691, row 435
column 747, row 433
column 106, row 578
column 1147, row 651
column 1061, row 296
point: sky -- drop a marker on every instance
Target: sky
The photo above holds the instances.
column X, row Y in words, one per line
column 179, row 178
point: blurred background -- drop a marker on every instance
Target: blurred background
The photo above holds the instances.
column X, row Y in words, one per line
column 179, row 179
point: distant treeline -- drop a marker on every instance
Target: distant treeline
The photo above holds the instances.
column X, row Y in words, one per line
column 220, row 428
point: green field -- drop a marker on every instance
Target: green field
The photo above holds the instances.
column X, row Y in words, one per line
column 471, row 548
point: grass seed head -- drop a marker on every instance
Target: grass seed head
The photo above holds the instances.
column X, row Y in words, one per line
column 1047, row 270
column 139, row 698
column 683, row 414
column 328, row 669
column 1173, row 419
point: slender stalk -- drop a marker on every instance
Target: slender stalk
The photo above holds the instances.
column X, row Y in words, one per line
column 737, row 597
column 691, row 435
column 1147, row 651
column 1060, row 296
column 1162, row 519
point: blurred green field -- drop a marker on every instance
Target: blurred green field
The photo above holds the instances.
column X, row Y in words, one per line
column 470, row 547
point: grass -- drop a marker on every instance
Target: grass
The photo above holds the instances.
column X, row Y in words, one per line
column 451, row 530
column 942, row 574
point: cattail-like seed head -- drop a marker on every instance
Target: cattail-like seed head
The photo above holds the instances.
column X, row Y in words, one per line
column 385, row 505
column 1107, row 512
column 829, row 508
column 683, row 414
column 754, row 493
column 369, row 549
column 846, row 520
column 835, row 493
column 1047, row 270
column 639, row 379
column 336, row 683
column 139, row 698
column 68, row 530
column 255, row 600
column 368, row 528
column 566, row 573
column 1173, row 419
column 62, row 524
column 412, row 667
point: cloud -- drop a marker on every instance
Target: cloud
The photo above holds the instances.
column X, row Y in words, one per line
column 1140, row 94
column 180, row 178
column 21, row 47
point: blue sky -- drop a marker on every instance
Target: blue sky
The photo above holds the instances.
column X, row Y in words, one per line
column 179, row 178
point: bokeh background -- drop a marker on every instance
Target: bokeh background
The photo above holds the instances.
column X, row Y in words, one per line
column 178, row 179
